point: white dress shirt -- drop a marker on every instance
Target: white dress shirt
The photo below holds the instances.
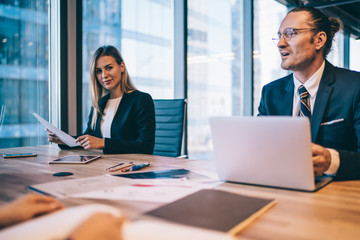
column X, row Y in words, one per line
column 312, row 86
column 108, row 116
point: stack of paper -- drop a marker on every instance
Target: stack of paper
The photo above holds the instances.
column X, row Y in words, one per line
column 115, row 188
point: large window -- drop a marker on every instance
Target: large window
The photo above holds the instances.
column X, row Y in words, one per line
column 266, row 55
column 143, row 31
column 354, row 54
column 24, row 63
column 336, row 55
column 214, row 68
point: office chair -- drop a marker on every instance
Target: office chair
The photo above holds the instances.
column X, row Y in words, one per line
column 2, row 115
column 169, row 118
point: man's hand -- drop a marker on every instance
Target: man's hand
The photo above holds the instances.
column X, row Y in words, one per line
column 88, row 141
column 321, row 159
column 27, row 207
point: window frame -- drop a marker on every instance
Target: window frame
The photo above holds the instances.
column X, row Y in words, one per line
column 70, row 39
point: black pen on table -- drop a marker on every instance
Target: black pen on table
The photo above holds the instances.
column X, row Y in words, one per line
column 119, row 166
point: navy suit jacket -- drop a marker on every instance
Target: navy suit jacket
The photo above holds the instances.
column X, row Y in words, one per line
column 338, row 98
column 133, row 126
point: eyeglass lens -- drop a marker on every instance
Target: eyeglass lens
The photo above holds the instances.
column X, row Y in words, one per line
column 288, row 33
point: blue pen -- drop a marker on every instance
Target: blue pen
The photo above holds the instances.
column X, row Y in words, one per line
column 136, row 167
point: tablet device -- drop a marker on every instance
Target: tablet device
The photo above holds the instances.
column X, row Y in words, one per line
column 75, row 159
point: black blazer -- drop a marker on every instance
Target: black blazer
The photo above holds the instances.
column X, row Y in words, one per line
column 133, row 126
column 338, row 98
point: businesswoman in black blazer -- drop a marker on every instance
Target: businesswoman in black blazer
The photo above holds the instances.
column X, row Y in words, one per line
column 122, row 119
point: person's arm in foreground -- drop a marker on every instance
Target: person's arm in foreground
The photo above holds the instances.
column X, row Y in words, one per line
column 99, row 226
column 27, row 207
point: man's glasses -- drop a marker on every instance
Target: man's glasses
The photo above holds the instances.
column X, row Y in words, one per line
column 289, row 33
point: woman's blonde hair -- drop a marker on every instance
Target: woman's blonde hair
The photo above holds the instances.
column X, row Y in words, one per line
column 96, row 90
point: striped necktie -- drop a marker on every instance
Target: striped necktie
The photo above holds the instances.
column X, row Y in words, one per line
column 305, row 110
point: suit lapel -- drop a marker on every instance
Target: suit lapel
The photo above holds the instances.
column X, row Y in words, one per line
column 323, row 94
column 120, row 112
column 120, row 107
column 286, row 103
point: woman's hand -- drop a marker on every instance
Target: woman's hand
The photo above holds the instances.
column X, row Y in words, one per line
column 27, row 207
column 88, row 142
column 52, row 137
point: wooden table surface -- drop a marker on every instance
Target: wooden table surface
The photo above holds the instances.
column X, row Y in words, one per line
column 330, row 213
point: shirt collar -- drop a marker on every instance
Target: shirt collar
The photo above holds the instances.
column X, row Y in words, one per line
column 312, row 84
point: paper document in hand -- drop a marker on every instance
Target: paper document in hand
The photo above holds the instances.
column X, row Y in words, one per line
column 66, row 138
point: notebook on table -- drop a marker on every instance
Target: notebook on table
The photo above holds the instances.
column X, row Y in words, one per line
column 215, row 210
column 270, row 151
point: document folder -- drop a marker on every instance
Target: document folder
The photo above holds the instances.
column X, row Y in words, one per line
column 215, row 210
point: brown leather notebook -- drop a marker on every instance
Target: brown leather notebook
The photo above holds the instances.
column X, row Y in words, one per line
column 215, row 210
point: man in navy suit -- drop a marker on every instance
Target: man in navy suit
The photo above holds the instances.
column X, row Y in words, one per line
column 328, row 95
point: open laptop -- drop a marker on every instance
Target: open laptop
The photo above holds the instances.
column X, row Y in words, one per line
column 270, row 151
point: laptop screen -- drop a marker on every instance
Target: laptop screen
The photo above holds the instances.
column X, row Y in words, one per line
column 271, row 151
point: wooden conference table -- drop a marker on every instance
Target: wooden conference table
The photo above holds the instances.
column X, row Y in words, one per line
column 331, row 213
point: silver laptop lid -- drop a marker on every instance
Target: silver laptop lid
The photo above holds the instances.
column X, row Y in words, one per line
column 271, row 151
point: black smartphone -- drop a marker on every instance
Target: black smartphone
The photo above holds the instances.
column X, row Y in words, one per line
column 19, row 155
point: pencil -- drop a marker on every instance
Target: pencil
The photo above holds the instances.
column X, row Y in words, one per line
column 120, row 166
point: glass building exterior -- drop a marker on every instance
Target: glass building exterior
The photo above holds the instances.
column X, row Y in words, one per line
column 24, row 71
column 143, row 31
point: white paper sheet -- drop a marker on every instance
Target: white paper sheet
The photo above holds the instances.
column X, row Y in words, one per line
column 161, row 230
column 145, row 193
column 118, row 188
column 66, row 138
column 66, row 188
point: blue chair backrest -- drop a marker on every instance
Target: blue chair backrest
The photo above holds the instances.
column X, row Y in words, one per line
column 2, row 115
column 169, row 118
